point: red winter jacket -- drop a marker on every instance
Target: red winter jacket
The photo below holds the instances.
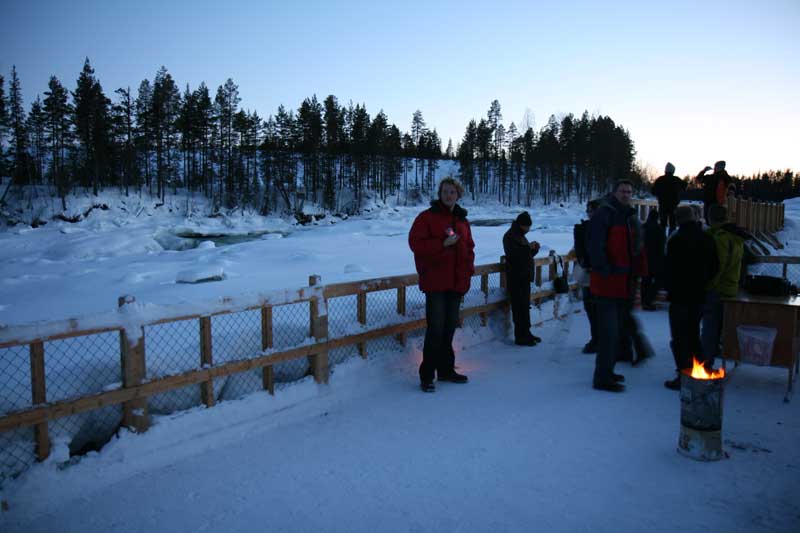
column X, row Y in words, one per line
column 442, row 268
column 615, row 249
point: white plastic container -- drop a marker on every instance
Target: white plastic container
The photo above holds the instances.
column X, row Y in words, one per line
column 756, row 343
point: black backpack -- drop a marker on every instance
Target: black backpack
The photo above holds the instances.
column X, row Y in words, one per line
column 769, row 286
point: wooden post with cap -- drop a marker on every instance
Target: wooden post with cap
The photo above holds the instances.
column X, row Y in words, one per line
column 134, row 371
column 318, row 325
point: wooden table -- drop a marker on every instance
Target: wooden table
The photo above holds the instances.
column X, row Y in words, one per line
column 781, row 313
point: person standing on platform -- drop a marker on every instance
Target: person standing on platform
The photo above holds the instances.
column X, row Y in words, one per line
column 729, row 240
column 691, row 264
column 614, row 265
column 519, row 275
column 667, row 189
column 444, row 255
column 715, row 187
column 582, row 273
column 654, row 242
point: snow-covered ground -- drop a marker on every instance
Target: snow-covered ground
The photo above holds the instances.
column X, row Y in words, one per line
column 526, row 445
column 65, row 270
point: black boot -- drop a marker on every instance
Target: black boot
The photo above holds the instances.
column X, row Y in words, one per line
column 427, row 386
column 453, row 377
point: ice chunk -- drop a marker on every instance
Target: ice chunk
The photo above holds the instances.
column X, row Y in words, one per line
column 351, row 268
column 200, row 275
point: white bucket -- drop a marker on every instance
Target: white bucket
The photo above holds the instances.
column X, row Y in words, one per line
column 756, row 343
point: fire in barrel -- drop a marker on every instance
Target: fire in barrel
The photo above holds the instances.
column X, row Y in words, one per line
column 701, row 413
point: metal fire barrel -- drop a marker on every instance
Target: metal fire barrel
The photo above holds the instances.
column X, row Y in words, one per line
column 701, row 418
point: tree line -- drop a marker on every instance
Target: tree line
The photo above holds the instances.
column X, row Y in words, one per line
column 160, row 138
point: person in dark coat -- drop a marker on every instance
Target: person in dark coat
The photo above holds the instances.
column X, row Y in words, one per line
column 519, row 275
column 715, row 187
column 614, row 263
column 444, row 255
column 667, row 189
column 691, row 264
column 654, row 241
column 580, row 233
column 634, row 347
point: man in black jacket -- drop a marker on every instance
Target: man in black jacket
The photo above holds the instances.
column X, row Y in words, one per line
column 654, row 242
column 580, row 233
column 691, row 264
column 715, row 186
column 667, row 189
column 519, row 274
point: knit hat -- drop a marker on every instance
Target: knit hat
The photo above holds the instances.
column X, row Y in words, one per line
column 524, row 219
column 669, row 169
column 719, row 165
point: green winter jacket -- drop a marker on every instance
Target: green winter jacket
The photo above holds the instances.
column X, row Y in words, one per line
column 730, row 249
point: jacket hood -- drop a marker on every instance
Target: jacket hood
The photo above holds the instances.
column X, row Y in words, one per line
column 438, row 207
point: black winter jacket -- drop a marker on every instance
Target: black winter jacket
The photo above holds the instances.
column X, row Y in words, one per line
column 691, row 264
column 519, row 256
column 668, row 189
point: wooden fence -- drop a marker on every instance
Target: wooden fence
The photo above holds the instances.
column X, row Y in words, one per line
column 136, row 388
column 783, row 260
column 765, row 217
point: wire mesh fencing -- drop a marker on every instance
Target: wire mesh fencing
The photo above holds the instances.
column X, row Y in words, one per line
column 91, row 364
column 17, row 449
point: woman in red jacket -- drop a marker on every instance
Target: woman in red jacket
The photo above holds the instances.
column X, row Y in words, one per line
column 443, row 253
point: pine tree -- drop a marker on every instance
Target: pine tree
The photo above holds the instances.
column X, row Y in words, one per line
column 18, row 145
column 449, row 153
column 3, row 128
column 227, row 104
column 92, row 127
column 165, row 108
column 36, row 126
column 58, row 111
column 143, row 110
column 123, row 113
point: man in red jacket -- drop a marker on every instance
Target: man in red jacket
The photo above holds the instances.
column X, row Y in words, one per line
column 615, row 256
column 445, row 259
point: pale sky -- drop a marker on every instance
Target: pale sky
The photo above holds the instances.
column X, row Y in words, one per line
column 693, row 82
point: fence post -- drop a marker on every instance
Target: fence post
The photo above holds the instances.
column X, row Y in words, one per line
column 206, row 359
column 553, row 268
column 39, row 396
column 503, row 272
column 134, row 412
column 318, row 325
column 267, row 373
column 485, row 291
column 361, row 312
column 401, row 310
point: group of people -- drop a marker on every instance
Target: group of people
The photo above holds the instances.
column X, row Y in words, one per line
column 697, row 266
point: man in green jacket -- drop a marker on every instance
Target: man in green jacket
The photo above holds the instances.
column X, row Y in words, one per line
column 729, row 240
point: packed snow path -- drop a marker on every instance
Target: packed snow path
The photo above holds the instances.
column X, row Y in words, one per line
column 527, row 445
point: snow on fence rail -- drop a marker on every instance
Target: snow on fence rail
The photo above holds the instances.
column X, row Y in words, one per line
column 87, row 377
column 764, row 217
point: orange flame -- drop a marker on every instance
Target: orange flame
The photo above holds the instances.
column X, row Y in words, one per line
column 699, row 371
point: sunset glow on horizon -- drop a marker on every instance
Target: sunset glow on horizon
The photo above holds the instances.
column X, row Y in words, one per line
column 692, row 82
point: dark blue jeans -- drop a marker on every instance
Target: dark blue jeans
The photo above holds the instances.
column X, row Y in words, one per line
column 441, row 313
column 611, row 315
column 712, row 326
column 684, row 327
column 588, row 306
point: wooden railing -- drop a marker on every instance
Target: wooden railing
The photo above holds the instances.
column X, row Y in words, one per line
column 766, row 217
column 136, row 388
column 784, row 260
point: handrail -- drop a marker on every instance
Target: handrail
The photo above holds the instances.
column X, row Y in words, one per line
column 131, row 320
